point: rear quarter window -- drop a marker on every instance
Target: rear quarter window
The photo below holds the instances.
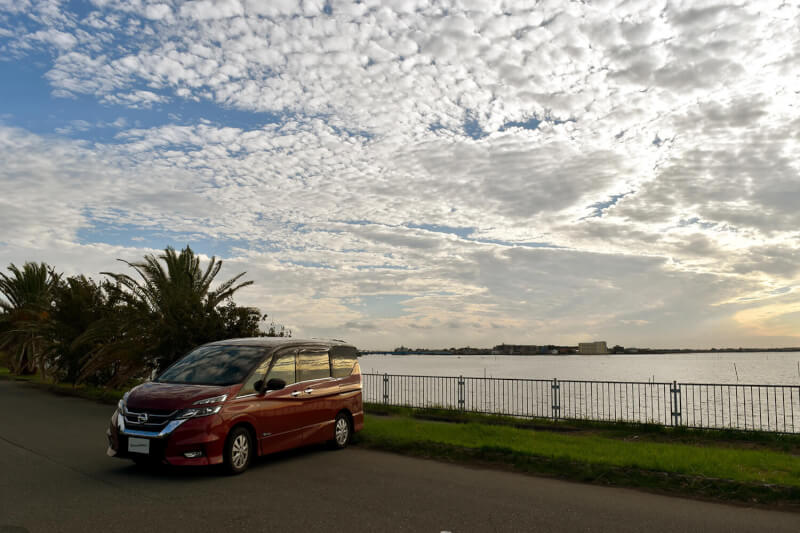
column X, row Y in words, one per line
column 343, row 359
column 312, row 364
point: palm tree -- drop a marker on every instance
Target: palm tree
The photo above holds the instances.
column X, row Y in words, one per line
column 79, row 302
column 183, row 280
column 28, row 295
column 166, row 310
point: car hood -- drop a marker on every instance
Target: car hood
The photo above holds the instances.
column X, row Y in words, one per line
column 171, row 396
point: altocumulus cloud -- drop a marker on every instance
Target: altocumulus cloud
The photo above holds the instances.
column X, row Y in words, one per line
column 495, row 171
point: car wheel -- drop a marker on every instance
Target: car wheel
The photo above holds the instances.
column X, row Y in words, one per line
column 239, row 451
column 341, row 431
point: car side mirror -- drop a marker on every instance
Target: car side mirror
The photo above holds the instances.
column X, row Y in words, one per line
column 259, row 386
column 275, row 384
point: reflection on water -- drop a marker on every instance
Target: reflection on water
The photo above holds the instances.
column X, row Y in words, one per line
column 781, row 368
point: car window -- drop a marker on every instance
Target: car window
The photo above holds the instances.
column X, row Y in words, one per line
column 260, row 372
column 283, row 368
column 343, row 359
column 214, row 365
column 313, row 364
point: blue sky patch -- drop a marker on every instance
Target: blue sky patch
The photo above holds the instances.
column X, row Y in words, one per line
column 528, row 244
column 305, row 264
column 26, row 101
column 530, row 124
column 599, row 207
column 130, row 235
column 696, row 221
column 382, row 267
column 473, row 129
column 463, row 232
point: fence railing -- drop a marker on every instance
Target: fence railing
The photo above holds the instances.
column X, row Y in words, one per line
column 696, row 405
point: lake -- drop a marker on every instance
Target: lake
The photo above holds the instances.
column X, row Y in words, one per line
column 773, row 368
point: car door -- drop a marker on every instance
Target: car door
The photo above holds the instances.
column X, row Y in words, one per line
column 279, row 416
column 319, row 393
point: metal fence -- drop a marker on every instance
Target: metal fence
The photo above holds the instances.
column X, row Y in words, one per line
column 696, row 405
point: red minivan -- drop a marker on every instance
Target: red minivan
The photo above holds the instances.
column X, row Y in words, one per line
column 229, row 401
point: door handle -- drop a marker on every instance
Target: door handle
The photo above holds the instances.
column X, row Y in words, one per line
column 308, row 391
column 296, row 393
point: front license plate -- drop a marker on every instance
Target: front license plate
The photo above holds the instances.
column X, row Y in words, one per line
column 138, row 445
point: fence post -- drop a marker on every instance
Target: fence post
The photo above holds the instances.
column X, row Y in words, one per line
column 460, row 393
column 385, row 389
column 675, row 401
column 556, row 396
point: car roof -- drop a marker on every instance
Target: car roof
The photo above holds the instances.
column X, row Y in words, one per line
column 276, row 342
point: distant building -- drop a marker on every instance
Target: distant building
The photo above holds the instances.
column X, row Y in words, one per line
column 592, row 348
column 532, row 349
column 516, row 349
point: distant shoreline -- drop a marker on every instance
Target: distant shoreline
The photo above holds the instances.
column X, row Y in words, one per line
column 645, row 351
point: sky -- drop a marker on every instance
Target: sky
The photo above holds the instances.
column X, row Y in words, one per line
column 424, row 173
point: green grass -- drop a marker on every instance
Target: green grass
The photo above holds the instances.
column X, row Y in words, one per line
column 619, row 430
column 724, row 473
column 752, row 466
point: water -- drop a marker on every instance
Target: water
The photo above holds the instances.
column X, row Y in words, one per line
column 767, row 368
column 631, row 387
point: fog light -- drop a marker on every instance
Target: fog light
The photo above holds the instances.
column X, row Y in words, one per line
column 192, row 455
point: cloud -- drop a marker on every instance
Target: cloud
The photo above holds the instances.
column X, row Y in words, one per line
column 777, row 318
column 158, row 11
column 626, row 171
column 136, row 99
column 59, row 39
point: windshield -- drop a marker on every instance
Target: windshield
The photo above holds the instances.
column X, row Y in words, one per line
column 214, row 365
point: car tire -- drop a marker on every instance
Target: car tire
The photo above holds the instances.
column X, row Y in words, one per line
column 239, row 450
column 342, row 431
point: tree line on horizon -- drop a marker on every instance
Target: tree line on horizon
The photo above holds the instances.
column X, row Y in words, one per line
column 74, row 329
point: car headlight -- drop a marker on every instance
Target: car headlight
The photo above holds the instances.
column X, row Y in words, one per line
column 215, row 399
column 121, row 403
column 195, row 412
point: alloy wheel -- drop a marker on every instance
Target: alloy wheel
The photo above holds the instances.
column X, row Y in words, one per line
column 240, row 451
column 342, row 431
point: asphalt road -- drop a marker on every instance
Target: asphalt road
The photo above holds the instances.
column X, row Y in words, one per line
column 55, row 476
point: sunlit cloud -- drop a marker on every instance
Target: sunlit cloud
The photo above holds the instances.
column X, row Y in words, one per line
column 422, row 173
column 775, row 319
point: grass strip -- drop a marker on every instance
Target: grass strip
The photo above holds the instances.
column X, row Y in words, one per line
column 762, row 476
column 789, row 443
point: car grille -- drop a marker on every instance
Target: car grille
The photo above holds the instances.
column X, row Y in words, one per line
column 148, row 419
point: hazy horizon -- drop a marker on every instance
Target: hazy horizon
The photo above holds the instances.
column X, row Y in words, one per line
column 694, row 349
column 422, row 173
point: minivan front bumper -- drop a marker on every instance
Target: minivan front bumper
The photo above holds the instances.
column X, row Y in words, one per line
column 169, row 445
